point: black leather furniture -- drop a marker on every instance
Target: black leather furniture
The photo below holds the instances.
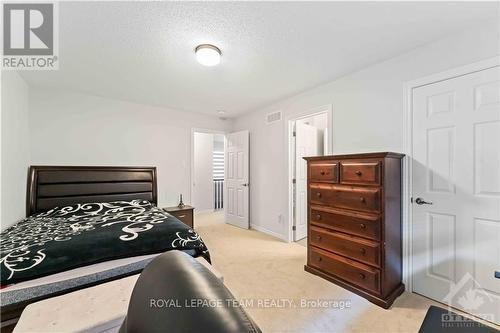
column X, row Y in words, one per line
column 175, row 293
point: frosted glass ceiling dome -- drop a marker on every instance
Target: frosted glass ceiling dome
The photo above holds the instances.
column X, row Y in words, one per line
column 208, row 55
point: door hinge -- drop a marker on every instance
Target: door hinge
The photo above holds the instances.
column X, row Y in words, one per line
column 294, row 181
column 294, row 228
column 294, row 133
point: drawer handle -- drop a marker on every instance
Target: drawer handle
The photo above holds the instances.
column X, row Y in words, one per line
column 322, row 172
column 363, row 251
column 318, row 217
column 359, row 173
column 320, row 259
column 318, row 238
column 362, row 199
column 182, row 216
column 318, row 194
column 363, row 226
column 362, row 276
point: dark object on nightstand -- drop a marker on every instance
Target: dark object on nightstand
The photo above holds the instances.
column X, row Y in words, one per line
column 181, row 203
column 185, row 214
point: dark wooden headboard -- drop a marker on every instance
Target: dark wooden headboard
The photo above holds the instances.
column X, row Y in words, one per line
column 53, row 186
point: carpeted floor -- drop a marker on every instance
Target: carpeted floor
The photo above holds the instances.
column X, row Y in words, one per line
column 302, row 242
column 268, row 273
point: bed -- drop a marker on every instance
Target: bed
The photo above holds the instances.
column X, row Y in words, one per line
column 86, row 226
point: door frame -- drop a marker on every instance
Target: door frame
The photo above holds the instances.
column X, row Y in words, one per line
column 191, row 162
column 408, row 149
column 328, row 109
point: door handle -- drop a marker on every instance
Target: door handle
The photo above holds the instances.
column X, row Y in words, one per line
column 246, row 184
column 420, row 201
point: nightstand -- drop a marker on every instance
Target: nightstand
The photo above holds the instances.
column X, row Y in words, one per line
column 185, row 214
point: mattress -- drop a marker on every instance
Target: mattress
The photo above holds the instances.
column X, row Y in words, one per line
column 76, row 273
column 100, row 308
column 74, row 279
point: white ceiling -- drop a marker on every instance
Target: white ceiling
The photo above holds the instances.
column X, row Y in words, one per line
column 144, row 51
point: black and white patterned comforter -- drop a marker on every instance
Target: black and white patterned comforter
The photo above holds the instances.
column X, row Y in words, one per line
column 79, row 235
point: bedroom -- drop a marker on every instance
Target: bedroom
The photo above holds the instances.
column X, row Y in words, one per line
column 126, row 88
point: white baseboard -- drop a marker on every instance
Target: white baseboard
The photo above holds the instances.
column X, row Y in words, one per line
column 268, row 232
column 196, row 212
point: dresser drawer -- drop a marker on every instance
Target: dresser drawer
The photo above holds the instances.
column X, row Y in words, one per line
column 350, row 246
column 356, row 273
column 324, row 172
column 363, row 225
column 356, row 198
column 363, row 173
column 186, row 216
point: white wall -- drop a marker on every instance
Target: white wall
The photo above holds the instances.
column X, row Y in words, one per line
column 203, row 171
column 219, row 142
column 368, row 111
column 15, row 148
column 78, row 129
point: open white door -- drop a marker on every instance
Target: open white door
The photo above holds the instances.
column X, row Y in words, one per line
column 203, row 184
column 236, row 179
column 306, row 144
column 456, row 192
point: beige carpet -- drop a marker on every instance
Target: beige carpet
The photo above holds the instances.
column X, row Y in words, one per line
column 257, row 266
column 302, row 242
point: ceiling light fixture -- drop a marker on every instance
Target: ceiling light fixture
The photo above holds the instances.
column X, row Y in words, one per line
column 208, row 55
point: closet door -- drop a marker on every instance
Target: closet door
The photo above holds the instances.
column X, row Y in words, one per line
column 456, row 192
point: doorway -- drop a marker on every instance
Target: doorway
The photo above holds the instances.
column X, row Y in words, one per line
column 310, row 135
column 207, row 185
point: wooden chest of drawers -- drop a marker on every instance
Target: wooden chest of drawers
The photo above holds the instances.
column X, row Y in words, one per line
column 354, row 223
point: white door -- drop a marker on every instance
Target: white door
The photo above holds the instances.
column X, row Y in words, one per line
column 456, row 192
column 306, row 144
column 203, row 184
column 236, row 179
